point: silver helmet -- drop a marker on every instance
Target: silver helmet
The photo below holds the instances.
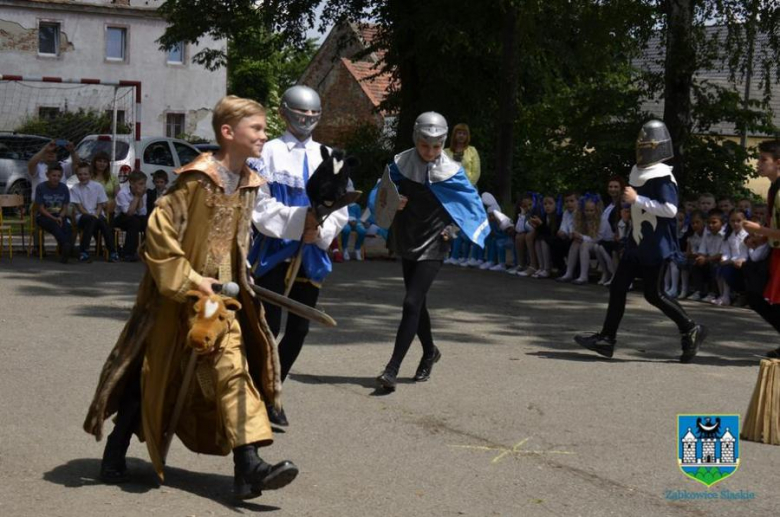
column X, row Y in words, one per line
column 431, row 127
column 654, row 144
column 297, row 100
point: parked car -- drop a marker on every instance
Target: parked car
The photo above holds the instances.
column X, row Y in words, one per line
column 150, row 154
column 15, row 152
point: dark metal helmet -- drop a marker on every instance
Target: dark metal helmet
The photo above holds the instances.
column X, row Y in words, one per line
column 431, row 127
column 297, row 100
column 654, row 144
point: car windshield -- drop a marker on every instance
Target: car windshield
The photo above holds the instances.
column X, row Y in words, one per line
column 23, row 148
column 87, row 149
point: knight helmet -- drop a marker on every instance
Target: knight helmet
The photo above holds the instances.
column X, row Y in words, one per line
column 431, row 127
column 297, row 100
column 654, row 144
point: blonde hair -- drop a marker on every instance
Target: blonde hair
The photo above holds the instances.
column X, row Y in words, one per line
column 231, row 110
column 460, row 127
column 585, row 226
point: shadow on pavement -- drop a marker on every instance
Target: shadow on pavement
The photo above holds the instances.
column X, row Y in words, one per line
column 216, row 487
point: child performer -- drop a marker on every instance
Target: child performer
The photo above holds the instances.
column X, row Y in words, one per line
column 436, row 194
column 285, row 223
column 767, row 305
column 198, row 235
column 652, row 194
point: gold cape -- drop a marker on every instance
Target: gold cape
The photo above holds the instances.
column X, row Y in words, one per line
column 180, row 234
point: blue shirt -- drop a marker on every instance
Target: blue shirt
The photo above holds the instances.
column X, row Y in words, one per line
column 52, row 199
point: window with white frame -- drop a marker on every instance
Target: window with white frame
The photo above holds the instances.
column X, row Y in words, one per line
column 116, row 43
column 174, row 125
column 49, row 38
column 176, row 54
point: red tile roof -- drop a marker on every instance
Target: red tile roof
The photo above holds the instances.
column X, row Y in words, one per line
column 374, row 83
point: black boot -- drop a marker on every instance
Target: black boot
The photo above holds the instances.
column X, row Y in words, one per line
column 113, row 468
column 387, row 379
column 691, row 341
column 426, row 366
column 598, row 342
column 276, row 417
column 253, row 475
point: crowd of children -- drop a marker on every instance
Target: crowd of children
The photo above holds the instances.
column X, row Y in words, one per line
column 93, row 207
column 561, row 236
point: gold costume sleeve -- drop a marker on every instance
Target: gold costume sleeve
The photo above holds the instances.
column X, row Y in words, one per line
column 163, row 252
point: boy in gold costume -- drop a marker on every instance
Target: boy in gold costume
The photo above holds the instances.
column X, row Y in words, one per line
column 197, row 236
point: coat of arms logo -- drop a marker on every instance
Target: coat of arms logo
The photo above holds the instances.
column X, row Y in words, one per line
column 708, row 446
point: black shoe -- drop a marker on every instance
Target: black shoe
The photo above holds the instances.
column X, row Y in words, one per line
column 597, row 342
column 277, row 417
column 774, row 354
column 113, row 467
column 426, row 365
column 387, row 380
column 250, row 482
column 691, row 341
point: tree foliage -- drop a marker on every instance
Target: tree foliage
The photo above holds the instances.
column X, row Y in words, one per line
column 579, row 99
column 71, row 125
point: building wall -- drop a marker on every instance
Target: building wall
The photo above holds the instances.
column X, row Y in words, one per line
column 187, row 88
column 345, row 107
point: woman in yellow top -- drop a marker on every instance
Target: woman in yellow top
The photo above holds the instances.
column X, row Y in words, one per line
column 101, row 172
column 460, row 151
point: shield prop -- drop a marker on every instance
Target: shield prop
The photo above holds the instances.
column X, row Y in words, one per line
column 708, row 446
column 387, row 200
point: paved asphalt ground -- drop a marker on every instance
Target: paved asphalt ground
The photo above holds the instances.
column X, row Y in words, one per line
column 516, row 420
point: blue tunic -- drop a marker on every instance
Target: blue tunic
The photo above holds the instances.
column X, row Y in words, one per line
column 658, row 240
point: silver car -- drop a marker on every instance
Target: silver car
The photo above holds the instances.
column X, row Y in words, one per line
column 15, row 151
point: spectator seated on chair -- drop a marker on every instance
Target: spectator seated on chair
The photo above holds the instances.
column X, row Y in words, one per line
column 130, row 214
column 160, row 181
column 354, row 225
column 90, row 200
column 52, row 198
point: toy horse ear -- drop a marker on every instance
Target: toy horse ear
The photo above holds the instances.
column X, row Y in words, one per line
column 194, row 295
column 231, row 304
column 325, row 153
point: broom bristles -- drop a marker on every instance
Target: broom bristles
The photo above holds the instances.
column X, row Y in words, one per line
column 762, row 421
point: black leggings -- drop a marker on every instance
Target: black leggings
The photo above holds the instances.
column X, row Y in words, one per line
column 418, row 278
column 653, row 276
column 297, row 327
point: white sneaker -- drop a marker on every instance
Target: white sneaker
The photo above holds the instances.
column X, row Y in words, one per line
column 498, row 267
column 564, row 278
column 527, row 272
column 346, row 255
column 462, row 261
column 358, row 255
column 480, row 262
column 512, row 270
column 709, row 298
column 695, row 297
column 448, row 261
column 472, row 262
column 487, row 265
column 722, row 301
column 542, row 273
